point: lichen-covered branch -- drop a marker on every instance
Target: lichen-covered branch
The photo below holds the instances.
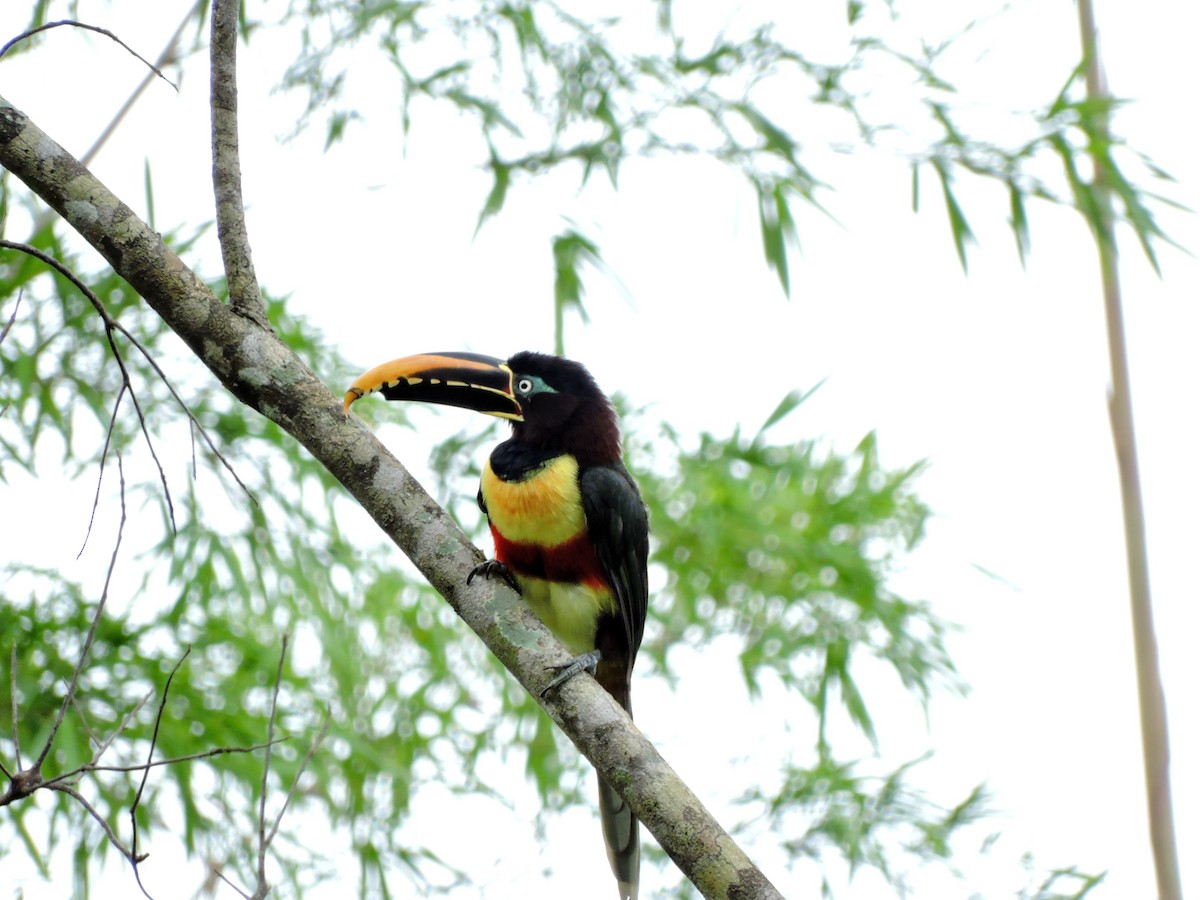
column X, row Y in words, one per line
column 244, row 293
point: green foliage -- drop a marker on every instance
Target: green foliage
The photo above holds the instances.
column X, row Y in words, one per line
column 1070, row 128
column 1060, row 884
column 789, row 549
column 550, row 87
column 868, row 820
column 580, row 99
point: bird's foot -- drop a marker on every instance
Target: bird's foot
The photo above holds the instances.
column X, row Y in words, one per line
column 585, row 662
column 493, row 568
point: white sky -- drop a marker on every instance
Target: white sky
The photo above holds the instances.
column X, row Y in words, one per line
column 999, row 378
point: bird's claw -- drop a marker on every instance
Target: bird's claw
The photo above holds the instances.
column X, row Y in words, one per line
column 493, row 568
column 585, row 662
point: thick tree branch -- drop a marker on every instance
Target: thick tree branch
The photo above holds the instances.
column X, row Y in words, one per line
column 227, row 167
column 261, row 371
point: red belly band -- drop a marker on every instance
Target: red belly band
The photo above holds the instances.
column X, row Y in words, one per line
column 571, row 562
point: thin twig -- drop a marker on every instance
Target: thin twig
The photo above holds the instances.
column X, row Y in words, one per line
column 1151, row 700
column 244, row 294
column 165, row 56
column 192, row 444
column 141, row 415
column 221, row 875
column 101, row 746
column 82, row 801
column 16, row 736
column 112, row 424
column 83, row 720
column 261, row 889
column 12, row 690
column 137, row 798
column 299, row 772
column 123, row 725
column 91, row 635
column 13, row 317
column 112, row 325
column 187, row 411
column 104, row 31
column 150, row 764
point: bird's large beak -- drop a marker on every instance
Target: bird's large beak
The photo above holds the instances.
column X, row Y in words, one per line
column 469, row 380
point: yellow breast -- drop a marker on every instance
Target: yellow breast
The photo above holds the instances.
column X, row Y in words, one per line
column 543, row 509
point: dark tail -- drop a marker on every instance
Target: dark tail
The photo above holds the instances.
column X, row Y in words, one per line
column 616, row 818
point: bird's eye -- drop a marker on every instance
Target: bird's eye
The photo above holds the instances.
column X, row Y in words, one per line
column 525, row 386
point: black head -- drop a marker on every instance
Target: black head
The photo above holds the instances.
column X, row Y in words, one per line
column 563, row 408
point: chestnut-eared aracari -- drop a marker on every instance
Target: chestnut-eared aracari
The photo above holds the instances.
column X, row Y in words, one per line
column 569, row 525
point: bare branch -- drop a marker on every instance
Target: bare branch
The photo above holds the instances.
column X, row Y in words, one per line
column 244, row 293
column 137, row 798
column 192, row 444
column 150, row 764
column 221, row 875
column 141, row 415
column 104, row 31
column 123, row 725
column 296, row 781
column 166, row 56
column 12, row 690
column 101, row 746
column 92, row 811
column 112, row 326
column 112, row 424
column 92, row 739
column 73, row 686
column 13, row 317
column 208, row 441
column 261, row 889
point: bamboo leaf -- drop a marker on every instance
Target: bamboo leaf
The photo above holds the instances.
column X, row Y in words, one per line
column 1018, row 220
column 786, row 406
column 571, row 250
column 501, row 175
column 778, row 228
column 960, row 229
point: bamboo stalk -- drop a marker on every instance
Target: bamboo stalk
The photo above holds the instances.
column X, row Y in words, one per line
column 1151, row 701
